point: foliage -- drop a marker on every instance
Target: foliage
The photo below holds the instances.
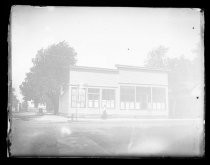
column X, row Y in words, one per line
column 157, row 58
column 181, row 70
column 24, row 106
column 183, row 74
column 14, row 99
column 49, row 72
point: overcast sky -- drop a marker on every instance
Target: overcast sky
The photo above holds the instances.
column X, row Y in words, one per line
column 102, row 37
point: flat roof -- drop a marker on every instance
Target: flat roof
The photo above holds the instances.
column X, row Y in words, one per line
column 118, row 67
column 140, row 68
column 87, row 68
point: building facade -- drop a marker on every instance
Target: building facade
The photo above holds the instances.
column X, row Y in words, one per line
column 126, row 90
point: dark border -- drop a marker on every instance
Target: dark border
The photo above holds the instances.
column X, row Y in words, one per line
column 142, row 3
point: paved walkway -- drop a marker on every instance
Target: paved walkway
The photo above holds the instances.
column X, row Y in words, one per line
column 59, row 118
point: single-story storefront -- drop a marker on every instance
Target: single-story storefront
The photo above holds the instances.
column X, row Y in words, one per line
column 124, row 90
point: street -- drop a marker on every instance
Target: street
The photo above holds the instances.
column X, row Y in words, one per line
column 51, row 135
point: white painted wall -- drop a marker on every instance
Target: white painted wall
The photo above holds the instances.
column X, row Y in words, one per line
column 94, row 78
column 143, row 77
column 101, row 79
column 124, row 76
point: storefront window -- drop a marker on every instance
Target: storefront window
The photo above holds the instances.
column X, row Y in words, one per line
column 93, row 97
column 127, row 97
column 108, row 98
column 78, row 98
column 143, row 98
column 159, row 98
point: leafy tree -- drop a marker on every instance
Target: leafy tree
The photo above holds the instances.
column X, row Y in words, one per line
column 14, row 99
column 24, row 106
column 198, row 62
column 157, row 58
column 183, row 75
column 49, row 73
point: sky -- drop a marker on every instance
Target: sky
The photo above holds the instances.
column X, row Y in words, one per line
column 101, row 36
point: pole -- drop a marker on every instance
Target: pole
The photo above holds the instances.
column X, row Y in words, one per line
column 78, row 98
column 77, row 102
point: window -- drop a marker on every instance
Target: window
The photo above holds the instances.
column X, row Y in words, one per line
column 159, row 98
column 108, row 98
column 143, row 98
column 127, row 97
column 140, row 98
column 93, row 97
column 78, row 101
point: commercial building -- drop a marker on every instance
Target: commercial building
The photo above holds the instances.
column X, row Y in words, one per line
column 126, row 90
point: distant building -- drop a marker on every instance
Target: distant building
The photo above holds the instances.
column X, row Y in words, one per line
column 30, row 104
column 33, row 108
column 124, row 90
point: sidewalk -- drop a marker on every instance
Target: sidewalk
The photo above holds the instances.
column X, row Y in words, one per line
column 57, row 118
column 27, row 113
column 61, row 118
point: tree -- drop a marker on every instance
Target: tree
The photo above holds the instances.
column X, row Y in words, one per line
column 14, row 99
column 24, row 106
column 198, row 62
column 182, row 75
column 157, row 58
column 49, row 73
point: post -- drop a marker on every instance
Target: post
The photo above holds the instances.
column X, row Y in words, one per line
column 117, row 99
column 77, row 102
column 100, row 108
column 166, row 105
column 135, row 97
column 78, row 98
column 151, row 98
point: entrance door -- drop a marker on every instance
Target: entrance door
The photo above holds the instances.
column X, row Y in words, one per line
column 143, row 97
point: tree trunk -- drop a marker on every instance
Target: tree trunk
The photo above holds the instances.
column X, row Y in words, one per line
column 55, row 108
column 48, row 106
column 55, row 104
column 36, row 104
